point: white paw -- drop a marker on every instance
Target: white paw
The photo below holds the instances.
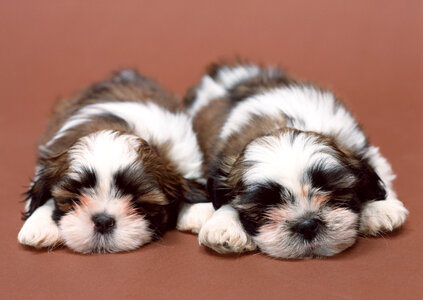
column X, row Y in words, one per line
column 382, row 216
column 193, row 216
column 224, row 233
column 39, row 230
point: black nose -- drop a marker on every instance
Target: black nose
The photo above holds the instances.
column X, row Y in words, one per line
column 103, row 223
column 308, row 228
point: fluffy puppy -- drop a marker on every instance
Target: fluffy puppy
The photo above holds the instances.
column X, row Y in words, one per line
column 289, row 169
column 113, row 166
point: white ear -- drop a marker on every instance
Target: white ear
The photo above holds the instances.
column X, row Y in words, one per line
column 39, row 230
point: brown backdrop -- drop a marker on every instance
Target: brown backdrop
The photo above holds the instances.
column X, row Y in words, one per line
column 368, row 52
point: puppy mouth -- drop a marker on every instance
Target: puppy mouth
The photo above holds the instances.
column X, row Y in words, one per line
column 313, row 244
column 312, row 248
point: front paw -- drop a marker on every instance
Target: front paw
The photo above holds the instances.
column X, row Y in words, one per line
column 224, row 234
column 193, row 216
column 382, row 216
column 39, row 231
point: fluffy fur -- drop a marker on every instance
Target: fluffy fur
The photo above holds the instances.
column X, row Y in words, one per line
column 114, row 165
column 289, row 169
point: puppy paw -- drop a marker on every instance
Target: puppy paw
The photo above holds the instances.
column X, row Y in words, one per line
column 224, row 233
column 40, row 230
column 193, row 216
column 382, row 216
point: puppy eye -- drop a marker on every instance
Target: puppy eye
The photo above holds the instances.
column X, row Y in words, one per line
column 75, row 200
column 266, row 194
column 337, row 203
column 70, row 201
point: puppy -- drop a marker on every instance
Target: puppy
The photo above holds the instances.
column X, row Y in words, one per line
column 289, row 169
column 113, row 167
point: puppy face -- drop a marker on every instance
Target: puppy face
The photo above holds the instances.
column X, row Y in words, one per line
column 299, row 195
column 112, row 192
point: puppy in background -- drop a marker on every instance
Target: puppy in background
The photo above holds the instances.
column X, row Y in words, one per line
column 289, row 169
column 113, row 167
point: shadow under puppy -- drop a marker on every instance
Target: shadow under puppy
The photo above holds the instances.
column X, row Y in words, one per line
column 113, row 167
column 289, row 169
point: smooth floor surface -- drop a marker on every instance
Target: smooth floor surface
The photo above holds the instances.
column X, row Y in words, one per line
column 370, row 53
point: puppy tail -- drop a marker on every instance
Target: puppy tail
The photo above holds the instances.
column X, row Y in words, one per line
column 230, row 74
column 219, row 79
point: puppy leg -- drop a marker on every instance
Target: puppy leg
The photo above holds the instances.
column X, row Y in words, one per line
column 193, row 216
column 224, row 233
column 39, row 230
column 385, row 215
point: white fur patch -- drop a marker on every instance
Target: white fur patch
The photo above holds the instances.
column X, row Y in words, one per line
column 193, row 216
column 229, row 76
column 78, row 231
column 224, row 233
column 39, row 230
column 106, row 152
column 283, row 159
column 277, row 240
column 207, row 91
column 210, row 89
column 154, row 124
column 311, row 110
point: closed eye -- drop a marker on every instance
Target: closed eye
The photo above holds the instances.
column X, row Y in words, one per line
column 75, row 200
column 268, row 193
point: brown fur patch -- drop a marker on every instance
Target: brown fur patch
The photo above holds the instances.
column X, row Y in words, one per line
column 207, row 124
column 156, row 161
column 141, row 89
column 96, row 123
column 267, row 80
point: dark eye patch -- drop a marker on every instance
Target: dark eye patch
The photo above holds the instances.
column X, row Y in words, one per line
column 351, row 203
column 145, row 194
column 64, row 202
column 329, row 179
column 87, row 180
column 133, row 182
column 68, row 189
column 269, row 193
column 57, row 214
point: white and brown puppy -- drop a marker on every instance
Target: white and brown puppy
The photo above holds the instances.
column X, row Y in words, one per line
column 114, row 165
column 289, row 169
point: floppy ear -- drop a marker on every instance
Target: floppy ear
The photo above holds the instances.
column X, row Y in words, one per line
column 194, row 192
column 174, row 186
column 39, row 192
column 218, row 188
column 370, row 187
column 189, row 96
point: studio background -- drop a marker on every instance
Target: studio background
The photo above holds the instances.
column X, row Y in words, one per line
column 370, row 53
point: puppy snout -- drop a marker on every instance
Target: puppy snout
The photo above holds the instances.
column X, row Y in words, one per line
column 103, row 223
column 308, row 228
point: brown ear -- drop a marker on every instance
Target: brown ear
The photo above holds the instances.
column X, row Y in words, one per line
column 165, row 174
column 54, row 166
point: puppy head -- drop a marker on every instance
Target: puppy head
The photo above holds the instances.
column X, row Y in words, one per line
column 298, row 194
column 112, row 192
